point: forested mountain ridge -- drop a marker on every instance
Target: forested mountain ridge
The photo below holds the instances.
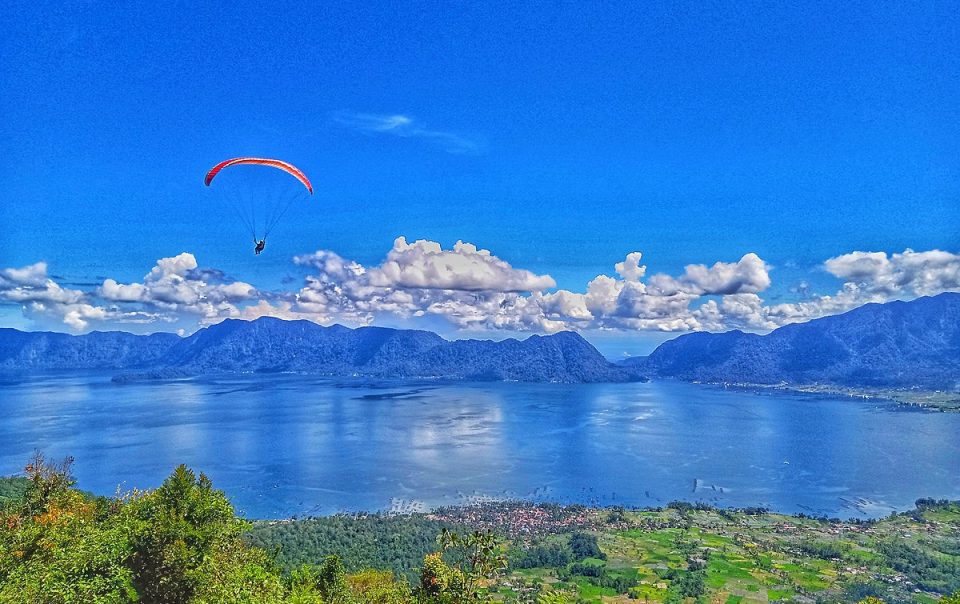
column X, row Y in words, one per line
column 271, row 345
column 24, row 350
column 912, row 344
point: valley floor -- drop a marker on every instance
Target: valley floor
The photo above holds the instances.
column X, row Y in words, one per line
column 661, row 555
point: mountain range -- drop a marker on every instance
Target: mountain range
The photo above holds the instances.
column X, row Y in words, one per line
column 912, row 344
column 273, row 345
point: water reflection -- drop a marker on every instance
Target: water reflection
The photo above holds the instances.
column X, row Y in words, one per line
column 285, row 445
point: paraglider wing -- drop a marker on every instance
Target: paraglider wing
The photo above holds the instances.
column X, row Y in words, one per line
column 260, row 195
column 260, row 161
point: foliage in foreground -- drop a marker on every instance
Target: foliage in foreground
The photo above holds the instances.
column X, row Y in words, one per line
column 182, row 543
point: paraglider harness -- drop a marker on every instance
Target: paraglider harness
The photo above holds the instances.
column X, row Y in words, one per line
column 276, row 211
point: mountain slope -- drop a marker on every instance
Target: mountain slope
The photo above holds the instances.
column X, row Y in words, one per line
column 21, row 350
column 271, row 345
column 893, row 345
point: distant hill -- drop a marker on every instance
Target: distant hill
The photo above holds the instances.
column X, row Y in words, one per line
column 894, row 345
column 20, row 350
column 637, row 361
column 273, row 345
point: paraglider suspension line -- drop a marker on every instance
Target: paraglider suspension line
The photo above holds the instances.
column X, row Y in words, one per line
column 279, row 210
column 236, row 205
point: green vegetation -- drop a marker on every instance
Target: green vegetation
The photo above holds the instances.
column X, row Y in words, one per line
column 692, row 552
column 395, row 543
column 182, row 543
column 12, row 488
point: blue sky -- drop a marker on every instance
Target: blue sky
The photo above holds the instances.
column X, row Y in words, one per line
column 559, row 136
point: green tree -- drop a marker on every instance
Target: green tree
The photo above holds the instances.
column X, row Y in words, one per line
column 439, row 582
column 303, row 586
column 584, row 545
column 379, row 586
column 235, row 573
column 53, row 548
column 556, row 597
column 476, row 559
column 179, row 529
column 332, row 581
column 49, row 481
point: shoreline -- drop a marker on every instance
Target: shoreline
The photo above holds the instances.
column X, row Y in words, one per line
column 565, row 507
column 929, row 400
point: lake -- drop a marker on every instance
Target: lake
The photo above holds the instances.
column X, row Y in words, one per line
column 284, row 445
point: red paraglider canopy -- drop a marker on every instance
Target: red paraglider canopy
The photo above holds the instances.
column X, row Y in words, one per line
column 260, row 161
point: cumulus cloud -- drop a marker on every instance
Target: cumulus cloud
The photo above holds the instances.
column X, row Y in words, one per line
column 42, row 298
column 750, row 274
column 868, row 277
column 661, row 302
column 404, row 126
column 31, row 284
column 424, row 264
column 466, row 285
column 630, row 269
column 78, row 316
column 32, row 275
column 472, row 289
column 177, row 285
column 918, row 273
column 174, row 288
column 111, row 290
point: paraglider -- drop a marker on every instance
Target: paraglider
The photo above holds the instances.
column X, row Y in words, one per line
column 260, row 194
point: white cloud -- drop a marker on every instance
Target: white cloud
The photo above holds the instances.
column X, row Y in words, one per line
column 175, row 284
column 750, row 274
column 31, row 284
column 661, row 303
column 404, row 126
column 466, row 285
column 172, row 290
column 471, row 289
column 566, row 305
column 111, row 290
column 918, row 273
column 34, row 274
column 869, row 277
column 630, row 269
column 745, row 311
column 78, row 316
column 424, row 264
column 81, row 316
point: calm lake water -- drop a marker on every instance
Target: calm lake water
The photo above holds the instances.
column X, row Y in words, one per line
column 293, row 445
